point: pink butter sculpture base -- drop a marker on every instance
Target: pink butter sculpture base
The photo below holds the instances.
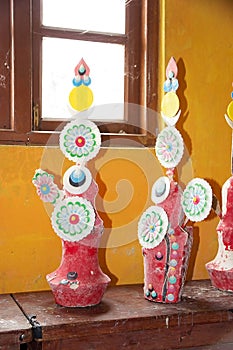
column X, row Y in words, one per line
column 79, row 280
column 88, row 283
column 165, row 266
column 220, row 269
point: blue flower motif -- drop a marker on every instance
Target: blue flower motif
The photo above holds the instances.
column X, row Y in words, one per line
column 46, row 188
column 78, row 81
column 171, row 85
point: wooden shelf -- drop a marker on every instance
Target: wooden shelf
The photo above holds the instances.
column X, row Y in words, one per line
column 125, row 320
column 14, row 328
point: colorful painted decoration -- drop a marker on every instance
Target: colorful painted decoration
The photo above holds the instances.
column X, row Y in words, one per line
column 230, row 110
column 171, row 121
column 80, row 141
column 81, row 96
column 220, row 269
column 160, row 190
column 152, row 227
column 81, row 74
column 171, row 69
column 73, row 218
column 171, row 84
column 169, row 147
column 46, row 189
column 197, row 200
column 79, row 280
column 229, row 115
column 77, row 180
column 170, row 104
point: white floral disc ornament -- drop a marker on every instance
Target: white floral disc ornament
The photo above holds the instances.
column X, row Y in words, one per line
column 80, row 141
column 46, row 189
column 169, row 147
column 152, row 227
column 73, row 218
column 197, row 200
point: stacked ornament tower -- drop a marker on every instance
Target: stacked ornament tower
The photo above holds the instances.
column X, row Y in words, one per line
column 221, row 268
column 165, row 239
column 79, row 280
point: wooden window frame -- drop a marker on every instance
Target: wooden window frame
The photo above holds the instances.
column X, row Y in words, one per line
column 25, row 67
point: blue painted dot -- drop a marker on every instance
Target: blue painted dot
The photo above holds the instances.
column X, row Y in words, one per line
column 171, row 74
column 171, row 231
column 45, row 189
column 169, row 147
column 172, row 279
column 87, row 82
column 175, row 84
column 173, row 262
column 170, row 297
column 154, row 294
column 77, row 82
column 64, row 282
column 147, row 293
column 175, row 245
column 77, row 179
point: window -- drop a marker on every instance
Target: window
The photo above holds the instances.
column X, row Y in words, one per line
column 30, row 45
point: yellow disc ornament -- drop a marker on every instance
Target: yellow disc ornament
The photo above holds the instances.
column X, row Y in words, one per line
column 170, row 104
column 230, row 110
column 81, row 98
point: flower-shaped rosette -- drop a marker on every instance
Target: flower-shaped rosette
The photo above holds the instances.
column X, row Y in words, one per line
column 169, row 147
column 152, row 227
column 46, row 189
column 73, row 218
column 80, row 141
column 197, row 200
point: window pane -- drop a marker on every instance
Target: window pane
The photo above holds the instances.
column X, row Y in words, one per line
column 106, row 63
column 101, row 15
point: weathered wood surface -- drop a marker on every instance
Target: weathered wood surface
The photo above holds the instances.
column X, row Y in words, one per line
column 125, row 320
column 14, row 327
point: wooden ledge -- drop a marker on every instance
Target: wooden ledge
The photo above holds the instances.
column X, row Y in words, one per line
column 14, row 328
column 124, row 319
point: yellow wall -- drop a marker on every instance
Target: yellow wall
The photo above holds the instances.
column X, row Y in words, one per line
column 199, row 35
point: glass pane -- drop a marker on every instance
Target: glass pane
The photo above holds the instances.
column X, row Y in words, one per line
column 106, row 63
column 94, row 15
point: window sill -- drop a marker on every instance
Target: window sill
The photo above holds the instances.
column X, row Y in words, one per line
column 47, row 138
